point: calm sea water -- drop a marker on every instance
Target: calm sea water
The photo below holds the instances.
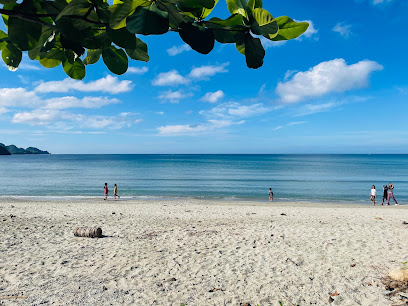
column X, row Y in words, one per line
column 292, row 177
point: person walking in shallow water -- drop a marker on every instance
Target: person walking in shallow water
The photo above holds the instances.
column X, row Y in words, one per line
column 270, row 195
column 391, row 194
column 106, row 191
column 373, row 194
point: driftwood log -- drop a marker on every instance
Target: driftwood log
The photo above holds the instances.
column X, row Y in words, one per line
column 90, row 232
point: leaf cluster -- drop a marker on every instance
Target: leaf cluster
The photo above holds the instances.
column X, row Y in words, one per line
column 77, row 33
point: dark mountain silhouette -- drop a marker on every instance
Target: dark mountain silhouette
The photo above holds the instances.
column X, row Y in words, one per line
column 12, row 149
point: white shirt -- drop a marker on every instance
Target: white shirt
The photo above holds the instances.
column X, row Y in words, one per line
column 373, row 192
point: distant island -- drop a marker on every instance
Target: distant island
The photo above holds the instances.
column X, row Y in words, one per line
column 12, row 149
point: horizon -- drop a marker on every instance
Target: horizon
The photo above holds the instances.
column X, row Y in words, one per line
column 334, row 90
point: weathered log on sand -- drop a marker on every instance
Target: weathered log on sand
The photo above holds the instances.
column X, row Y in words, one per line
column 91, row 232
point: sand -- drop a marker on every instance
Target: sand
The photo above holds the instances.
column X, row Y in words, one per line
column 198, row 252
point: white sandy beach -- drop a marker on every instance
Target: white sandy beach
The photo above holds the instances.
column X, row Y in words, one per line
column 176, row 252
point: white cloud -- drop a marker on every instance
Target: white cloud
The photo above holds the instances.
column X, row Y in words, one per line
column 266, row 43
column 109, row 84
column 289, row 125
column 213, row 97
column 296, row 123
column 41, row 117
column 73, row 102
column 174, row 96
column 310, row 109
column 247, row 110
column 326, row 77
column 26, row 66
column 211, row 125
column 170, row 78
column 234, row 109
column 289, row 74
column 160, row 113
column 311, row 30
column 174, row 78
column 138, row 70
column 175, row 50
column 204, row 72
column 343, row 29
column 3, row 110
column 20, row 97
column 375, row 2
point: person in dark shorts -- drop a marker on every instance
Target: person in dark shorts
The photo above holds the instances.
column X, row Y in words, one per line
column 270, row 195
column 385, row 194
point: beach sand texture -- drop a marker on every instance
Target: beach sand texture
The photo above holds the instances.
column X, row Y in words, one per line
column 175, row 252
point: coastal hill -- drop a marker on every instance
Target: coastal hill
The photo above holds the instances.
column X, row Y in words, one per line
column 4, row 151
column 12, row 149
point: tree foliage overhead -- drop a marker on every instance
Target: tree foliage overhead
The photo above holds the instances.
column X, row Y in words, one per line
column 76, row 33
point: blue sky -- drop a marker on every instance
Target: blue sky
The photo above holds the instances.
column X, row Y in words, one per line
column 340, row 88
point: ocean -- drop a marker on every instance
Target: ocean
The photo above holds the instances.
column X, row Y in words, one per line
column 327, row 178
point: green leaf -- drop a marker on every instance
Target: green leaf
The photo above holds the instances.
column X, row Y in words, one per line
column 75, row 7
column 207, row 11
column 265, row 24
column 209, row 4
column 24, row 34
column 115, row 59
column 8, row 1
column 240, row 48
column 52, row 58
column 254, row 51
column 148, row 20
column 72, row 45
column 68, row 30
column 289, row 29
column 92, row 56
column 253, row 4
column 122, row 11
column 175, row 16
column 97, row 40
column 139, row 52
column 238, row 7
column 198, row 37
column 223, row 29
column 122, row 37
column 3, row 39
column 197, row 9
column 11, row 56
column 76, row 70
column 45, row 35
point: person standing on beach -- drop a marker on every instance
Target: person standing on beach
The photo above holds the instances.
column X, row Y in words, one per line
column 385, row 194
column 115, row 192
column 391, row 194
column 373, row 194
column 106, row 191
column 270, row 195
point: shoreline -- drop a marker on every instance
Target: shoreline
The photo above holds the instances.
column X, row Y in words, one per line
column 175, row 252
column 171, row 199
